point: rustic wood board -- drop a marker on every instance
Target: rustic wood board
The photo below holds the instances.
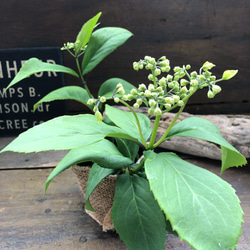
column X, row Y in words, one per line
column 12, row 160
column 27, row 221
column 187, row 31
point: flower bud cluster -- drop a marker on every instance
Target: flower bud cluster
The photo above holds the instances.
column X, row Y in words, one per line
column 165, row 93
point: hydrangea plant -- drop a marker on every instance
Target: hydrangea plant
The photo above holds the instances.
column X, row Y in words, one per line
column 154, row 191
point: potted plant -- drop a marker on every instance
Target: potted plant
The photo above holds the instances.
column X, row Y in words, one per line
column 154, row 192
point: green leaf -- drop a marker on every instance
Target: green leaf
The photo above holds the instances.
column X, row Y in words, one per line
column 69, row 92
column 103, row 42
column 108, row 87
column 34, row 65
column 62, row 133
column 200, row 128
column 207, row 66
column 127, row 147
column 126, row 121
column 201, row 207
column 85, row 33
column 136, row 215
column 96, row 175
column 228, row 74
column 103, row 152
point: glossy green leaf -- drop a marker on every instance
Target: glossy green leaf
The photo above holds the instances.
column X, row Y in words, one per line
column 66, row 93
column 201, row 207
column 127, row 147
column 85, row 33
column 103, row 152
column 137, row 217
column 96, row 175
column 228, row 74
column 108, row 87
column 103, row 42
column 34, row 65
column 127, row 121
column 200, row 128
column 62, row 133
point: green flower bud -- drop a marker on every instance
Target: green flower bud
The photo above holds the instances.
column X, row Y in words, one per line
column 216, row 89
column 98, row 116
column 119, row 85
column 116, row 100
column 193, row 74
column 210, row 94
column 164, row 63
column 177, row 69
column 169, row 78
column 162, row 82
column 150, row 77
column 102, row 99
column 176, row 98
column 157, row 112
column 133, row 91
column 151, row 87
column 139, row 101
column 194, row 83
column 171, row 85
column 150, row 111
column 147, row 93
column 169, row 100
column 142, row 87
column 141, row 65
column 149, row 66
column 121, row 91
column 180, row 103
column 152, row 103
column 159, row 89
column 188, row 67
column 152, row 60
column 207, row 74
column 184, row 90
column 136, row 66
column 154, row 94
column 163, row 58
column 184, row 82
column 130, row 97
column 157, row 72
column 136, row 105
column 165, row 69
column 192, row 89
column 125, row 98
column 167, row 106
column 91, row 101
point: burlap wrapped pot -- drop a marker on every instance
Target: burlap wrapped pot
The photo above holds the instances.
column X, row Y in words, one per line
column 101, row 199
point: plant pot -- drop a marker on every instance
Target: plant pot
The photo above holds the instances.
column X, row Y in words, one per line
column 101, row 199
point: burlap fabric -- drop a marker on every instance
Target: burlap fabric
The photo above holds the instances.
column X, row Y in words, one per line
column 101, row 199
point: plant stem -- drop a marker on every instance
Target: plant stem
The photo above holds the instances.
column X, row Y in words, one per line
column 154, row 132
column 137, row 121
column 139, row 166
column 81, row 77
column 170, row 126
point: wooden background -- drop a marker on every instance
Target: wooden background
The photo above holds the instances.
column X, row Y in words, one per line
column 186, row 31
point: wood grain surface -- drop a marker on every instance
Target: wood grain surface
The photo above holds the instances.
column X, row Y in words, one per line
column 58, row 221
column 186, row 31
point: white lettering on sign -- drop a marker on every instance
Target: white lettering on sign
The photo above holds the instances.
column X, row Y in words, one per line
column 14, row 107
column 12, row 69
column 13, row 124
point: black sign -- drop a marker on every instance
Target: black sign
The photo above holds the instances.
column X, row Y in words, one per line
column 16, row 104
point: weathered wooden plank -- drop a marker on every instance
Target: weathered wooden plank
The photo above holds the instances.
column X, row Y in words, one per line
column 12, row 160
column 185, row 31
column 27, row 221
